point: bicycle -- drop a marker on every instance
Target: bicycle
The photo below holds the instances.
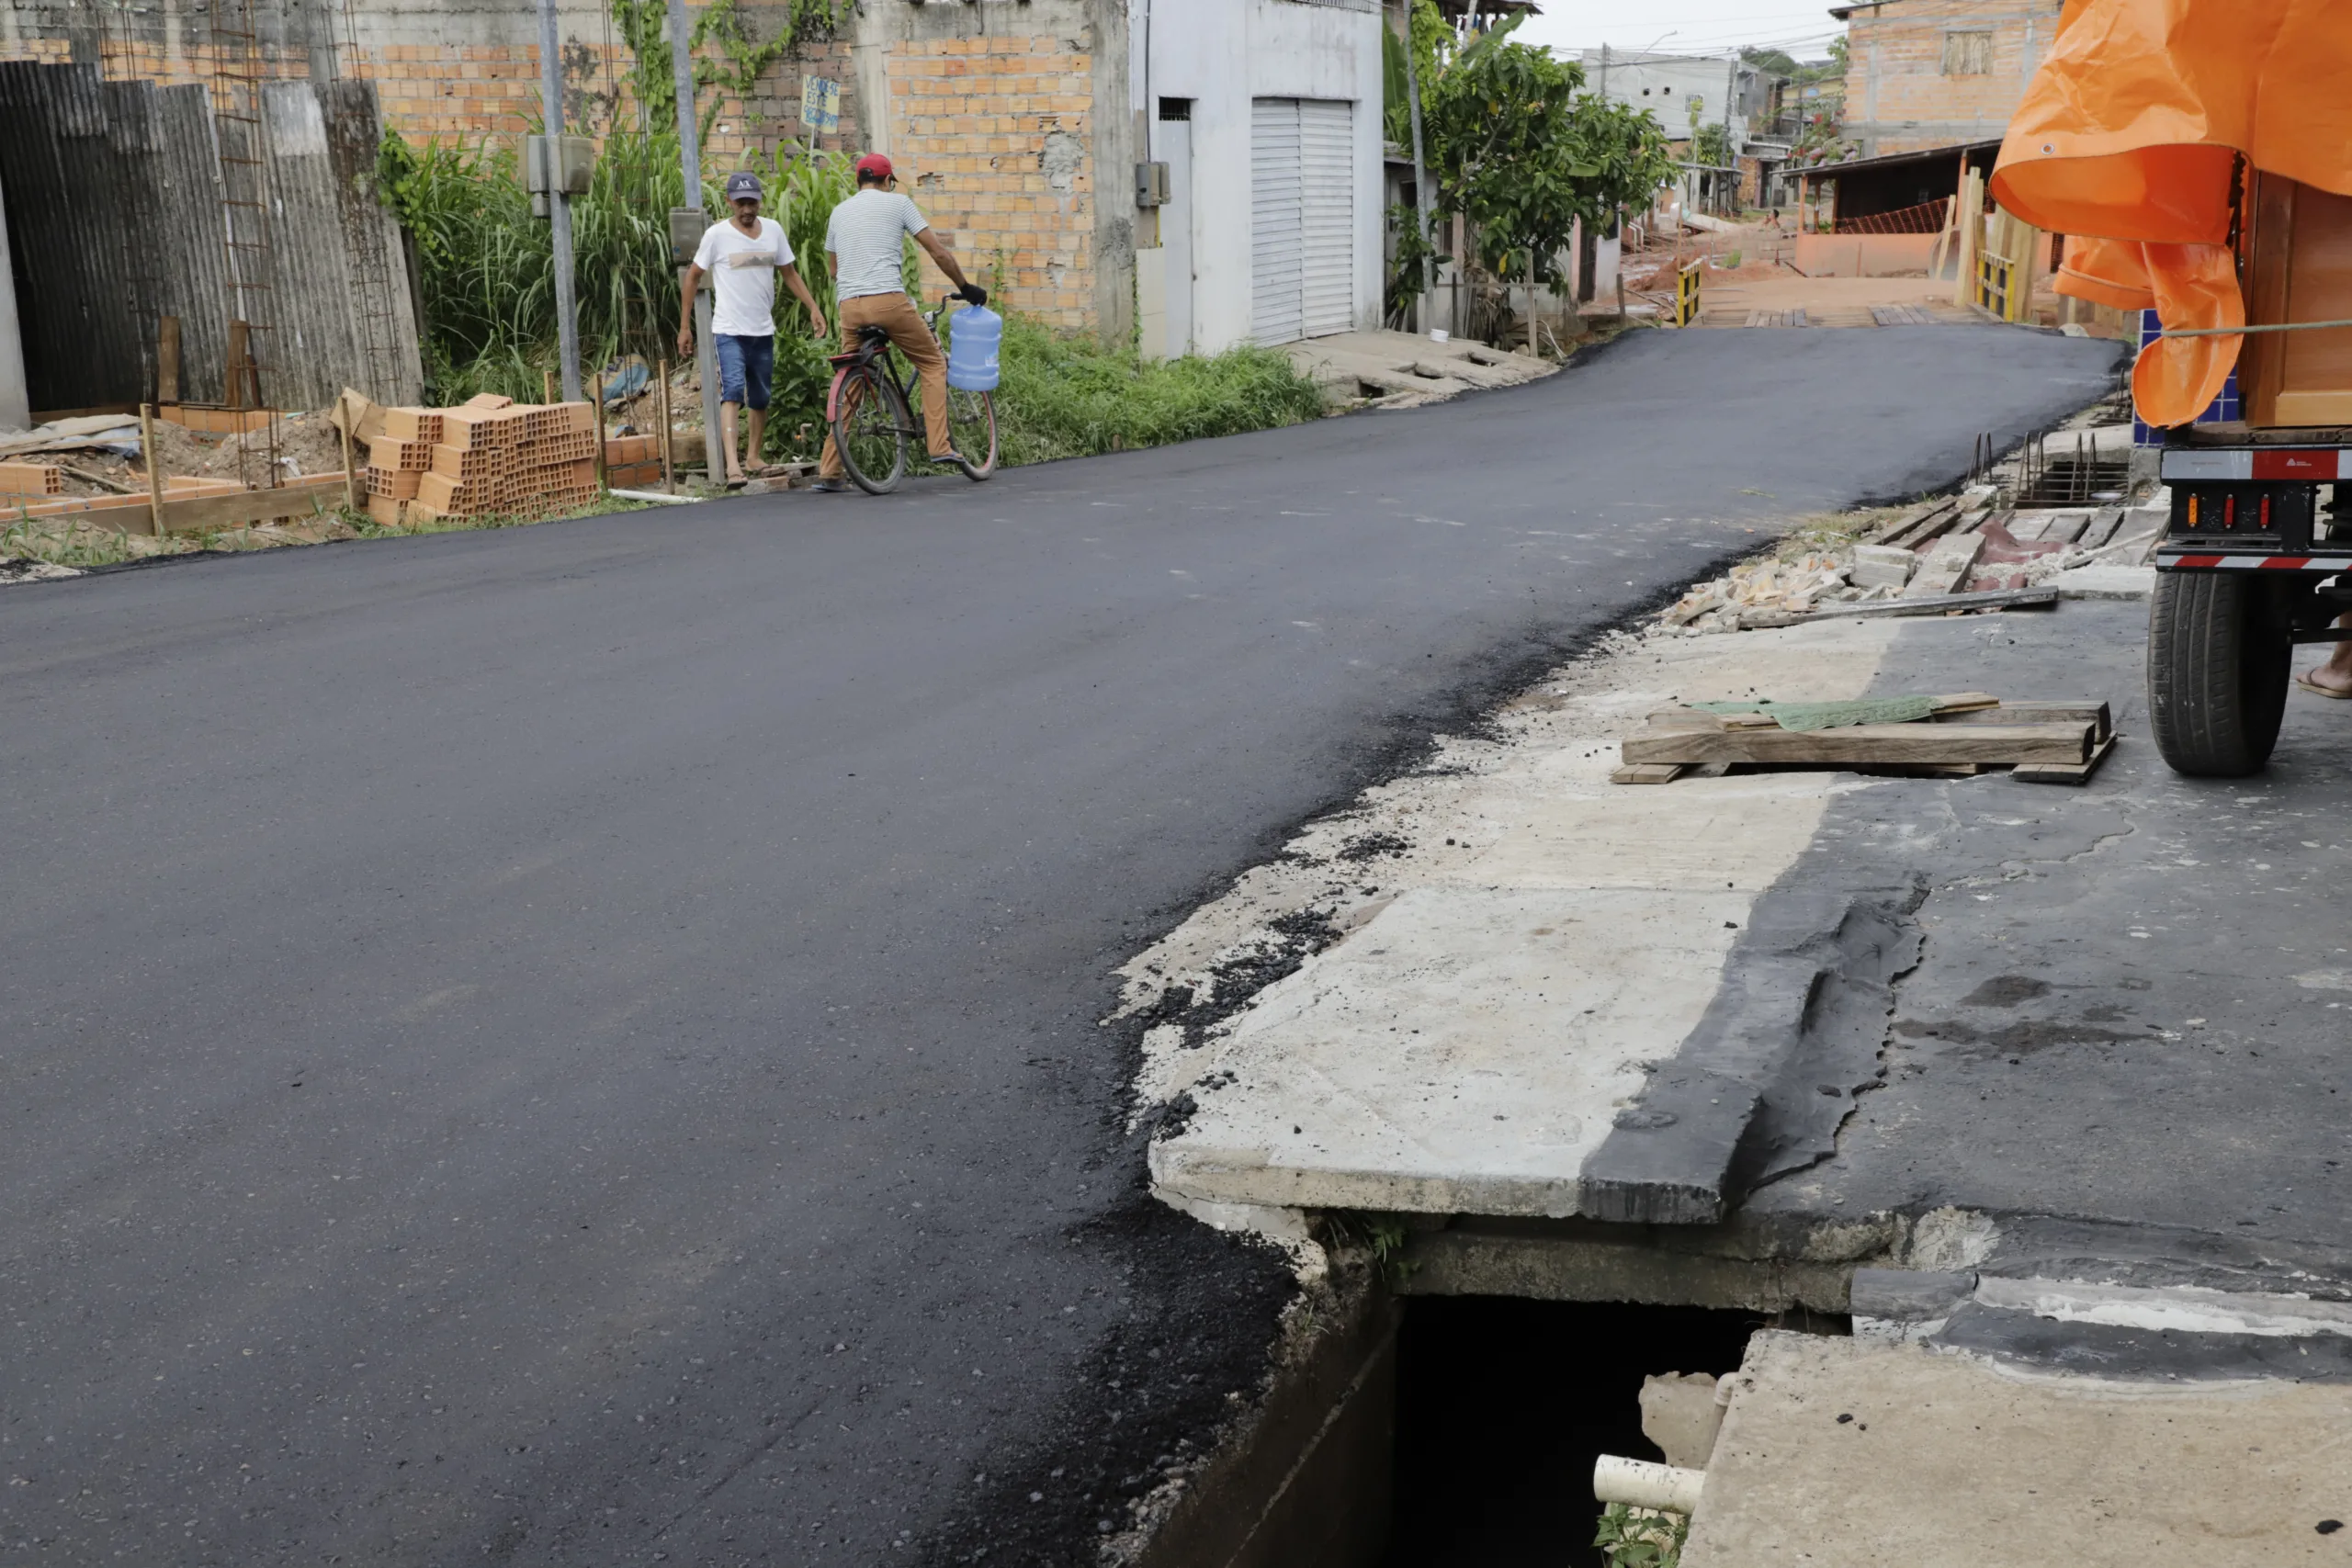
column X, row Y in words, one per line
column 874, row 413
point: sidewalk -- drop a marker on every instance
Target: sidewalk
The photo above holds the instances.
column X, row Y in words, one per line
column 2037, row 1083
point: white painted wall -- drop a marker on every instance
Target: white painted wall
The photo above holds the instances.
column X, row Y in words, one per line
column 1222, row 54
column 1665, row 84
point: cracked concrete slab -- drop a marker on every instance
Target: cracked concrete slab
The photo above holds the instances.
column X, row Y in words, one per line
column 1463, row 1054
column 1841, row 1451
column 1519, row 941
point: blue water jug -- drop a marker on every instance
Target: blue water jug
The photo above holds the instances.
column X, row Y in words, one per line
column 974, row 334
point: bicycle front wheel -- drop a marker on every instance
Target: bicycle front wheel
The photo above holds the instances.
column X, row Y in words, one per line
column 971, row 428
column 870, row 429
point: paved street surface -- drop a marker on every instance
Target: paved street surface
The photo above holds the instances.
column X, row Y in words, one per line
column 579, row 1044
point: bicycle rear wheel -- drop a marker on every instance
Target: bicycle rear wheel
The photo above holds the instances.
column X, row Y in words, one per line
column 971, row 428
column 870, row 429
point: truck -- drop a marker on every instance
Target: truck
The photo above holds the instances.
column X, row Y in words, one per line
column 2257, row 555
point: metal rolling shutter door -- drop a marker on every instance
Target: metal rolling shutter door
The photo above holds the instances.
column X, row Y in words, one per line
column 1327, row 207
column 1276, row 238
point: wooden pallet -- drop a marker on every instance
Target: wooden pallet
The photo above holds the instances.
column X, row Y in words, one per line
column 2041, row 743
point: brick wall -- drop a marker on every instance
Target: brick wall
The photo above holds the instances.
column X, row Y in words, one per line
column 1900, row 98
column 434, row 81
column 995, row 135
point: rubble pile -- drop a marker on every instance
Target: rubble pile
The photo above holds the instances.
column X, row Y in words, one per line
column 1955, row 544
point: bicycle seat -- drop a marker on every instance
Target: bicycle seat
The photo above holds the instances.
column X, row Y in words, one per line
column 877, row 336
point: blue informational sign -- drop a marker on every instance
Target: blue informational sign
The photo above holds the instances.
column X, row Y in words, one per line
column 820, row 104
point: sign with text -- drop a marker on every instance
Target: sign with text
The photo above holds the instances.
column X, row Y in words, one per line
column 820, row 104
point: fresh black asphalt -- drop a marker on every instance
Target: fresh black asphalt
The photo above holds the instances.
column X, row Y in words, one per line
column 580, row 1044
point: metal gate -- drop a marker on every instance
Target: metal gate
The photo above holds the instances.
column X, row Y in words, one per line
column 1302, row 218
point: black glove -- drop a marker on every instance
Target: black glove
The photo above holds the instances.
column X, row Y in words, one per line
column 973, row 294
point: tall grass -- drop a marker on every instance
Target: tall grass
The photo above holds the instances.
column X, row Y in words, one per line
column 1067, row 396
column 488, row 283
column 488, row 265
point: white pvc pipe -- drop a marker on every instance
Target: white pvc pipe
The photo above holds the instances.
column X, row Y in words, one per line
column 652, row 495
column 1637, row 1483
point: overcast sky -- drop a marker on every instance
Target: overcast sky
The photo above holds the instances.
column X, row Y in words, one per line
column 1569, row 26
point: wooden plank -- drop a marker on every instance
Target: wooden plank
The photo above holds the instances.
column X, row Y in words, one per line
column 1865, row 744
column 1647, row 773
column 2095, row 714
column 167, row 359
column 297, row 498
column 1913, row 518
column 2066, row 773
column 1982, row 599
column 154, row 469
column 236, row 386
column 669, row 466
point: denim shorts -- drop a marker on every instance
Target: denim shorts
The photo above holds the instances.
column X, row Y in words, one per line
column 745, row 366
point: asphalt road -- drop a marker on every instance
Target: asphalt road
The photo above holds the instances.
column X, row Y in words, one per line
column 579, row 1044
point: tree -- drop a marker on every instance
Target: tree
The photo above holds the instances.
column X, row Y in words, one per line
column 1514, row 148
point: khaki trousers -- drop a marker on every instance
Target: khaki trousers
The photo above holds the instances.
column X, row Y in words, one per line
column 896, row 314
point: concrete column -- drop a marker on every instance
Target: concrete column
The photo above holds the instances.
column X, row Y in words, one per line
column 15, row 408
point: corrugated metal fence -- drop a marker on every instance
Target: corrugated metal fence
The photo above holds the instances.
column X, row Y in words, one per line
column 113, row 192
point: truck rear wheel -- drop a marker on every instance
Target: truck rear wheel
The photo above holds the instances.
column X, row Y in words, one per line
column 2219, row 654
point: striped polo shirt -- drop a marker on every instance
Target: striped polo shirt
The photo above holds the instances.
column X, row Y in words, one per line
column 866, row 233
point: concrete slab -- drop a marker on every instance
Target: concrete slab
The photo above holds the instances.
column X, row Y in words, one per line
column 1639, row 894
column 1464, row 1052
column 2102, row 580
column 1841, row 1454
column 1416, row 367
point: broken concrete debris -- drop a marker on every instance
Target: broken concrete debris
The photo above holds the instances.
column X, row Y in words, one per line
column 1942, row 549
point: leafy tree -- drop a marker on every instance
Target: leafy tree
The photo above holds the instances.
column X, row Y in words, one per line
column 1711, row 145
column 1515, row 148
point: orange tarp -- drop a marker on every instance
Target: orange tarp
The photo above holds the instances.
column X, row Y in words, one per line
column 2128, row 141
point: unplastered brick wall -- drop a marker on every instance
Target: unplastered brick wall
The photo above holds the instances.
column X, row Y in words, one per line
column 1936, row 73
column 455, row 69
column 997, row 133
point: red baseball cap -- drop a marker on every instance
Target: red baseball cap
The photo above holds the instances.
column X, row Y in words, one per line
column 875, row 165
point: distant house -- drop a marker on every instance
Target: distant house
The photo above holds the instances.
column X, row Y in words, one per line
column 1936, row 73
column 1685, row 91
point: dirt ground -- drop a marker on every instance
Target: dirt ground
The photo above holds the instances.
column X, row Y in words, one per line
column 308, row 444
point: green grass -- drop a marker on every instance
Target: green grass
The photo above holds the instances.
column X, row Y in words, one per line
column 486, row 278
column 1069, row 397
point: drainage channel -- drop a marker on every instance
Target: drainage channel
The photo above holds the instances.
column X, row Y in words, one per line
column 1458, row 1432
column 1502, row 1407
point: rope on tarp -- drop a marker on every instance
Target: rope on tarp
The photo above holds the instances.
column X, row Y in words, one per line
column 2269, row 327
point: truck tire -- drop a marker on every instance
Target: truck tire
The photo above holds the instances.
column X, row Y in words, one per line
column 2219, row 654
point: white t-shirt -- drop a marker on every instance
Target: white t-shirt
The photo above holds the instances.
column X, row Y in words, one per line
column 864, row 232
column 743, row 276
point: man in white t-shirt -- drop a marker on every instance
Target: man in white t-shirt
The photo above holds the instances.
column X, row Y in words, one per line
column 742, row 257
column 863, row 244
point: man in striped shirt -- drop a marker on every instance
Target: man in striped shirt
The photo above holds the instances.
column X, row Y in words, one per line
column 862, row 248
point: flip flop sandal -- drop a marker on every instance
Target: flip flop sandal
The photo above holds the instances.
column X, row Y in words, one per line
column 2308, row 685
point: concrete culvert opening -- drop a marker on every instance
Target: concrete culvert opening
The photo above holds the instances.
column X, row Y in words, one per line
column 1503, row 1404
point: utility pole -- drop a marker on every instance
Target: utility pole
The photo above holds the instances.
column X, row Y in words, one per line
column 682, row 63
column 567, row 320
column 1420, row 172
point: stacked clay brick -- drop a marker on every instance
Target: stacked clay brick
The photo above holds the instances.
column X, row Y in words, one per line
column 491, row 456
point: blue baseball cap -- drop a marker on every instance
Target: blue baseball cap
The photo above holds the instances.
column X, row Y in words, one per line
column 743, row 184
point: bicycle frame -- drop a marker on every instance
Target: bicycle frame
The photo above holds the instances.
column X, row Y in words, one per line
column 900, row 374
